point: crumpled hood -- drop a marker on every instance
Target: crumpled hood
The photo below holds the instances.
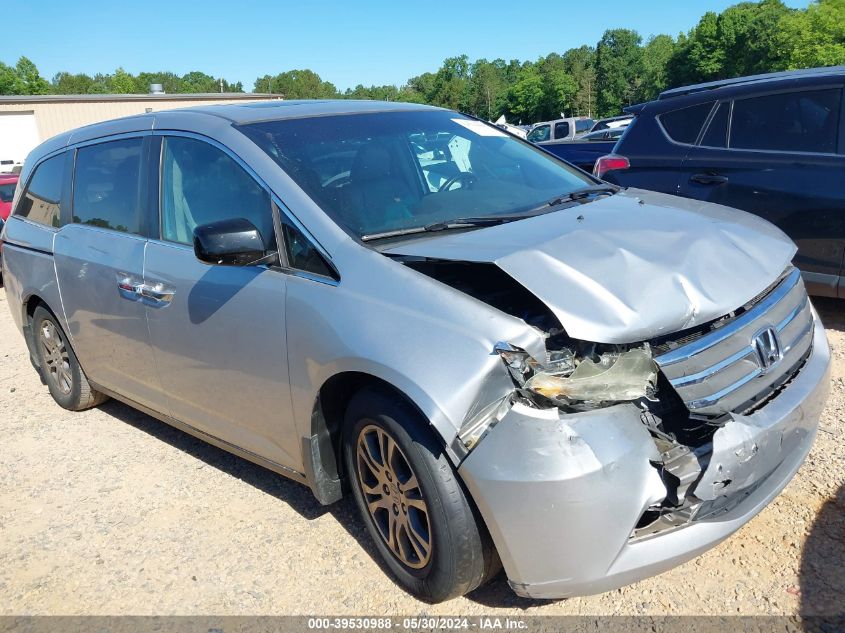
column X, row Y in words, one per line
column 628, row 267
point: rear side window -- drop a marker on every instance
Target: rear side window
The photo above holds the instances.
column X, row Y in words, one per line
column 561, row 129
column 683, row 125
column 41, row 201
column 582, row 125
column 806, row 121
column 202, row 184
column 717, row 132
column 107, row 185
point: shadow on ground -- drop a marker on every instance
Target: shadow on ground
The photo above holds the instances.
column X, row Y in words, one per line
column 823, row 561
column 297, row 496
column 831, row 311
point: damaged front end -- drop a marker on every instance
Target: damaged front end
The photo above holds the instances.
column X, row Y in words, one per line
column 692, row 391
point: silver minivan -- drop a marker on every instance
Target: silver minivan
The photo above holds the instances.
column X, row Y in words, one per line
column 505, row 361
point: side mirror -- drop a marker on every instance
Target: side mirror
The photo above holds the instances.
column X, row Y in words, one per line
column 234, row 242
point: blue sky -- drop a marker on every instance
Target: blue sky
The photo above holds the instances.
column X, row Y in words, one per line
column 345, row 42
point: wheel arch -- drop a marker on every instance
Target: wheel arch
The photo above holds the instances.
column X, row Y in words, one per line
column 322, row 456
column 29, row 305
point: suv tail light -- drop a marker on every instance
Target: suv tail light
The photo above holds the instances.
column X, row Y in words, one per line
column 609, row 162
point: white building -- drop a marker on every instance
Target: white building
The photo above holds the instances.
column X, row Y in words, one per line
column 27, row 120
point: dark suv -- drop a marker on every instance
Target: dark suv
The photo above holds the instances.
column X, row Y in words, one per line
column 773, row 145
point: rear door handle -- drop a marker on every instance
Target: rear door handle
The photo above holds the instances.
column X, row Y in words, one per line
column 157, row 294
column 709, row 179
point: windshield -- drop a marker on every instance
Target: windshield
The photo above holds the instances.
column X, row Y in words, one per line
column 375, row 173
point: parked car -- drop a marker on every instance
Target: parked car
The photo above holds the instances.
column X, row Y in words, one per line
column 8, row 182
column 585, row 150
column 504, row 359
column 773, row 145
column 559, row 130
column 612, row 123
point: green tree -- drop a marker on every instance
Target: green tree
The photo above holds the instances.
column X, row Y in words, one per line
column 450, row 84
column 525, row 97
column 487, row 89
column 296, row 84
column 618, row 70
column 814, row 37
column 23, row 79
column 9, row 83
column 655, row 59
column 170, row 82
column 580, row 63
column 559, row 87
column 197, row 82
column 121, row 82
column 65, row 83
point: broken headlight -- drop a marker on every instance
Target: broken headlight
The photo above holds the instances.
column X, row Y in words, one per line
column 570, row 379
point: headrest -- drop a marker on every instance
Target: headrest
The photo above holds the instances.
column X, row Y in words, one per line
column 372, row 162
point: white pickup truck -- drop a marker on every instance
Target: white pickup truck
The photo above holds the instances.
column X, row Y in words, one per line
column 559, row 129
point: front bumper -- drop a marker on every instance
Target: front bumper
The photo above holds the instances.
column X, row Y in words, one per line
column 561, row 494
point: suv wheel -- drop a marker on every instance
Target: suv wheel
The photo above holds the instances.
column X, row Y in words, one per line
column 59, row 368
column 415, row 508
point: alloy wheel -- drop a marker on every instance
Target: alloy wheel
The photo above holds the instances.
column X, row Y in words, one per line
column 56, row 357
column 393, row 496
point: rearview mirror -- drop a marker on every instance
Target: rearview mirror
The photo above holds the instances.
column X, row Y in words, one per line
column 234, row 242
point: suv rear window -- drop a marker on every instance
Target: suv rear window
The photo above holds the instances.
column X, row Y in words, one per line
column 41, row 201
column 683, row 125
column 106, row 188
column 806, row 121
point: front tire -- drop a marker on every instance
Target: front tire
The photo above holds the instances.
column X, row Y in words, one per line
column 58, row 365
column 411, row 500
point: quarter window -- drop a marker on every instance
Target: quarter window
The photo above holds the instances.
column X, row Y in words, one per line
column 107, row 185
column 683, row 125
column 41, row 201
column 302, row 254
column 202, row 184
column 806, row 121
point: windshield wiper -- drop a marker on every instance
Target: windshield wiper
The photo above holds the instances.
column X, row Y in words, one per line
column 580, row 194
column 457, row 223
column 492, row 220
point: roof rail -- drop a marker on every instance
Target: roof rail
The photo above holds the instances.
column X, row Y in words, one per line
column 782, row 75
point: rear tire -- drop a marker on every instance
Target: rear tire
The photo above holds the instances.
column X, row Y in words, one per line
column 58, row 365
column 423, row 524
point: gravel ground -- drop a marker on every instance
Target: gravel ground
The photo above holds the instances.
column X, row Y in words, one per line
column 110, row 512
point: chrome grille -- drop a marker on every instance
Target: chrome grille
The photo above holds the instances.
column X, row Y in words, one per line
column 728, row 368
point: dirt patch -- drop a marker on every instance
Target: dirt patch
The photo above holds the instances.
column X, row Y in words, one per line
column 112, row 512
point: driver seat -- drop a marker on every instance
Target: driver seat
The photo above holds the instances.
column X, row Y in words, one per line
column 377, row 194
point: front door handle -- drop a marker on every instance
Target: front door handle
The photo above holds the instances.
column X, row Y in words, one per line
column 128, row 288
column 157, row 294
column 709, row 179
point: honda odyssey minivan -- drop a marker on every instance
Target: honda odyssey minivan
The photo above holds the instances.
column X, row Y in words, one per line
column 505, row 361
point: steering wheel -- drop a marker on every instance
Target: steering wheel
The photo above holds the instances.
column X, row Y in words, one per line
column 461, row 176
